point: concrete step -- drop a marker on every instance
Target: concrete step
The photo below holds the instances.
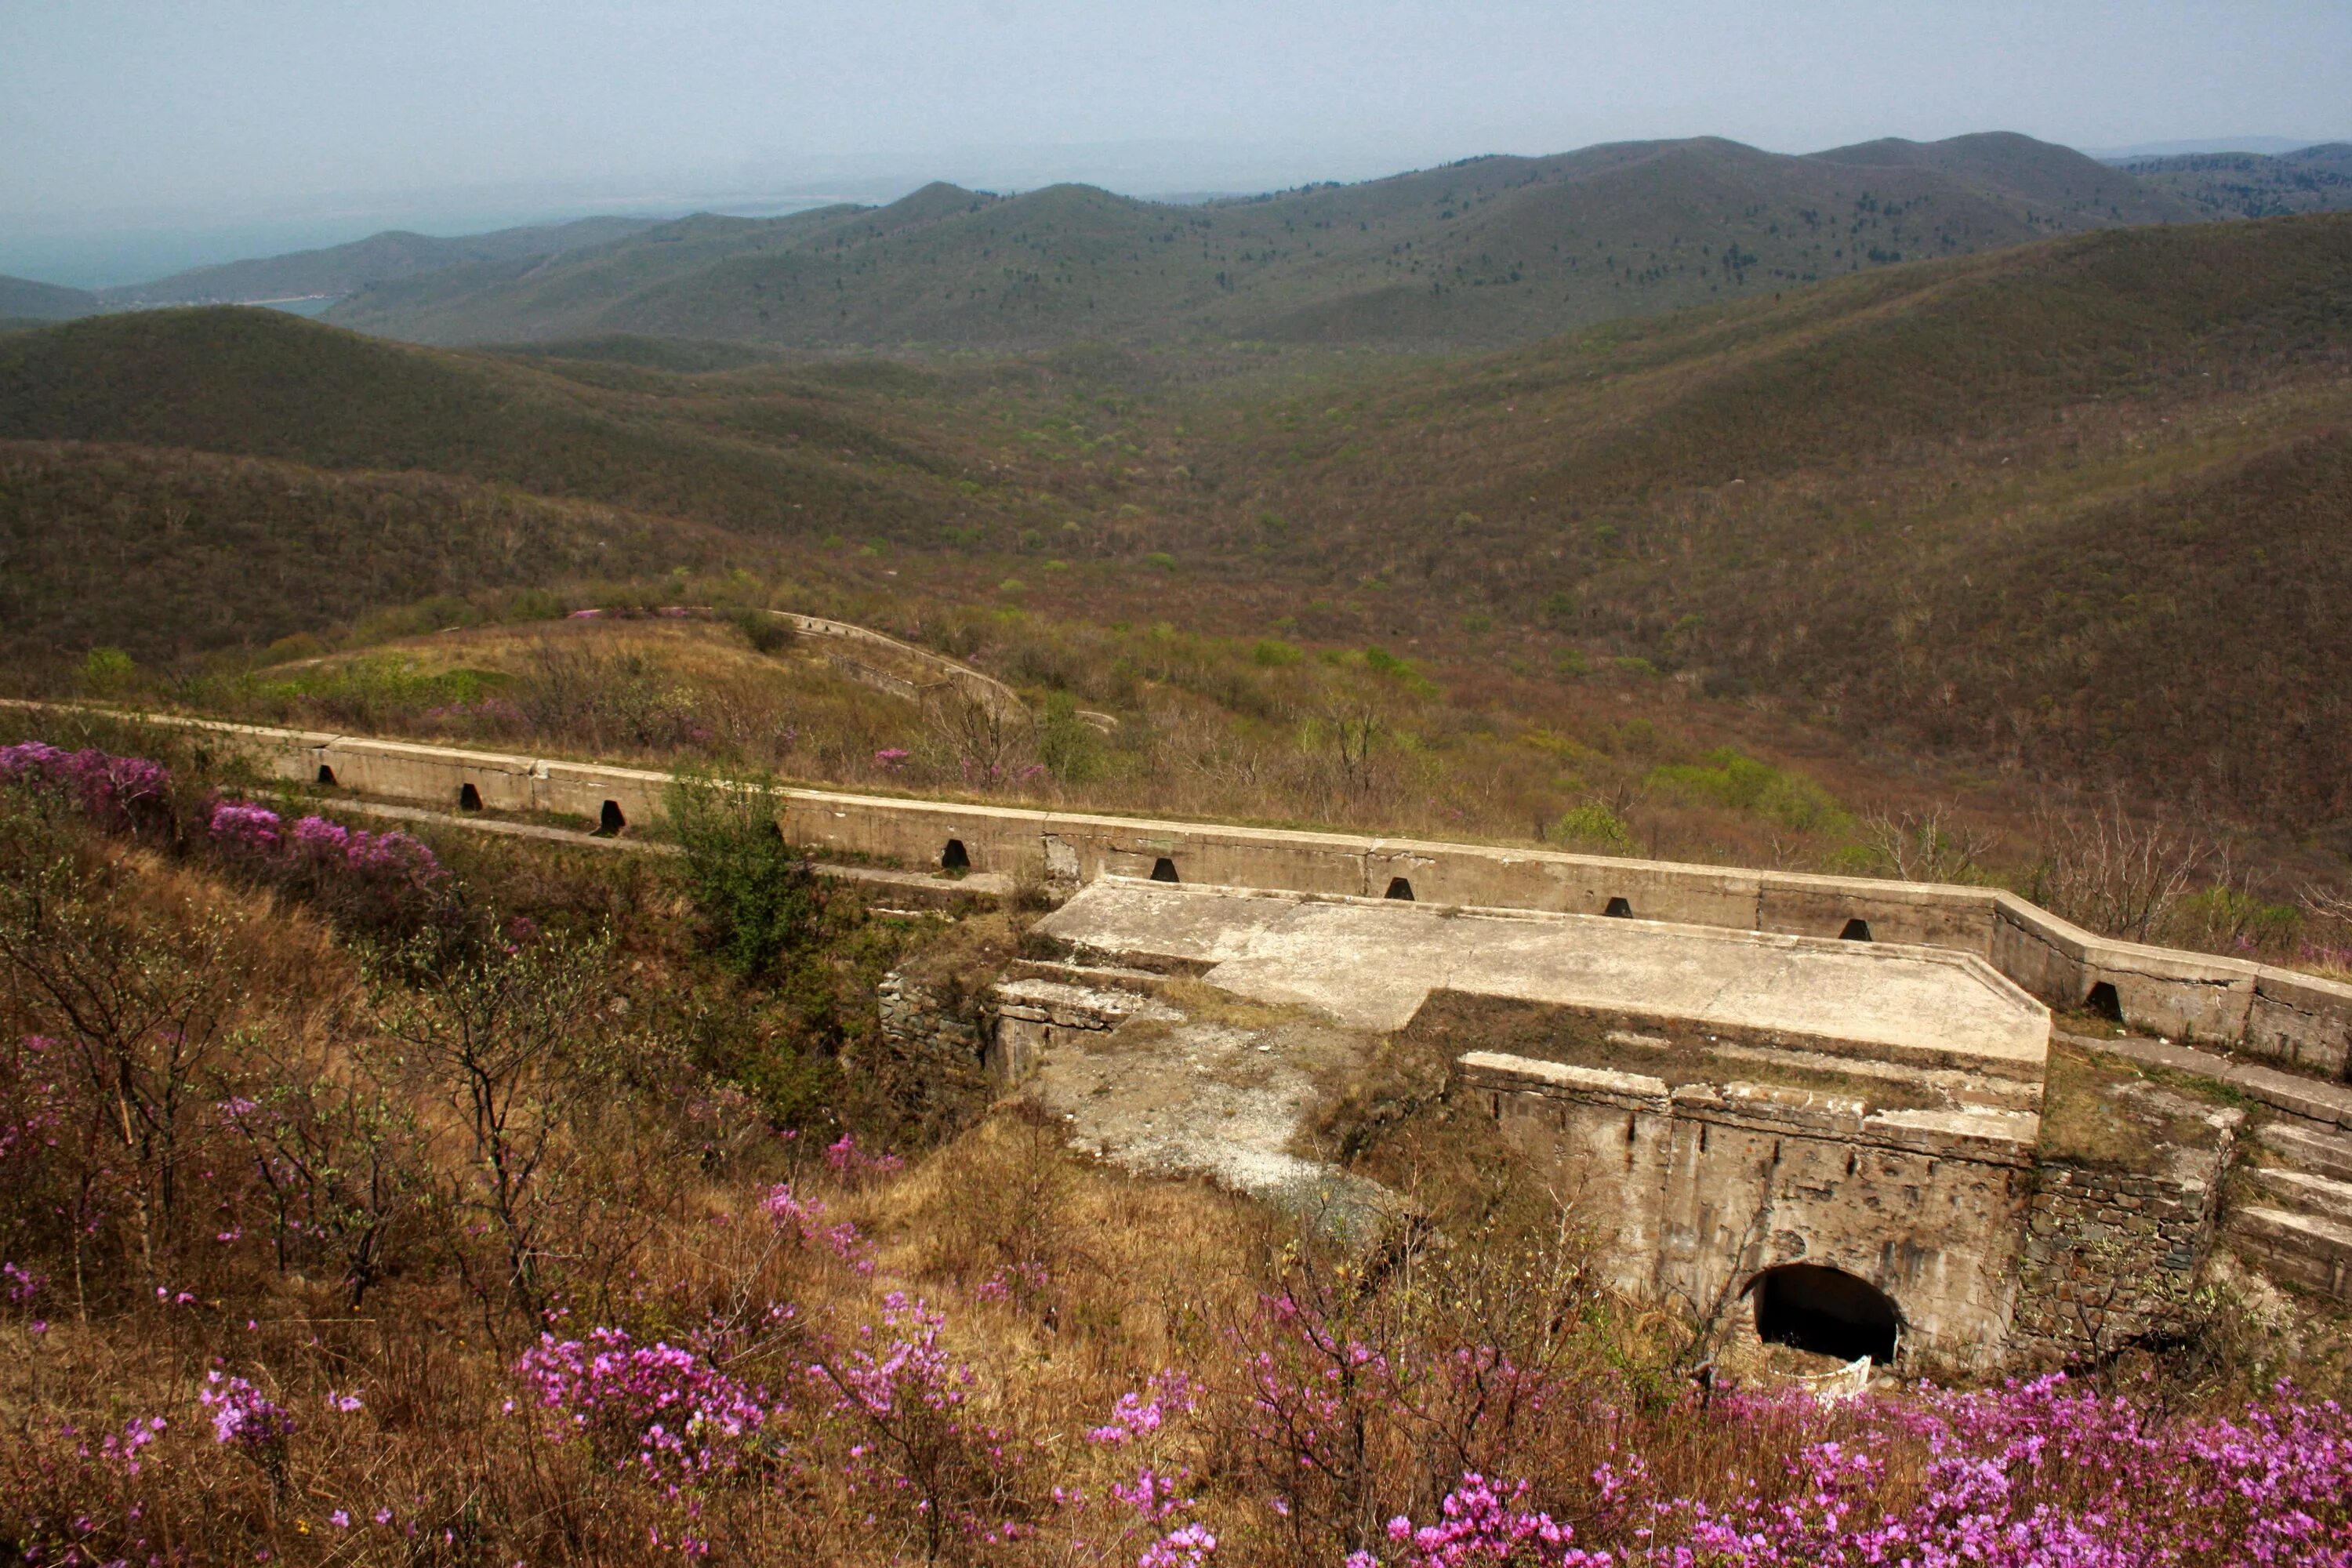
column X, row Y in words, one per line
column 2303, row 1148
column 2304, row 1193
column 2315, row 1099
column 2294, row 1248
column 1034, row 1012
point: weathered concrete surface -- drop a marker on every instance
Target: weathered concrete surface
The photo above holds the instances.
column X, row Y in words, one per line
column 1205, row 1088
column 1372, row 965
column 1034, row 1014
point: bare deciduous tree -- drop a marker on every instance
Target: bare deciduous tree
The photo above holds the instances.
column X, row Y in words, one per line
column 2108, row 872
column 141, row 1011
column 987, row 740
column 1928, row 845
column 520, row 1044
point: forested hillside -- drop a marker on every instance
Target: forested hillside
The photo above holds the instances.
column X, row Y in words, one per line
column 2252, row 184
column 165, row 553
column 22, row 299
column 780, row 457
column 2079, row 506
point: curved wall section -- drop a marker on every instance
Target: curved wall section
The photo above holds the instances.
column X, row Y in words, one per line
column 2294, row 1020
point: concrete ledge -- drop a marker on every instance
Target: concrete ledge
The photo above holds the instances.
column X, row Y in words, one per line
column 1526, row 1075
column 2325, row 1103
column 1992, row 1137
column 1985, row 1137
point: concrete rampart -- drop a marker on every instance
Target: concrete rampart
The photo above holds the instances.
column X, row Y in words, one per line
column 2293, row 1020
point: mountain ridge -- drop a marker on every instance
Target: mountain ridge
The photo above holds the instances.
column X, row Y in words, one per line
column 1506, row 249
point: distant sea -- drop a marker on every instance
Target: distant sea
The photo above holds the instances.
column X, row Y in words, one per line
column 311, row 307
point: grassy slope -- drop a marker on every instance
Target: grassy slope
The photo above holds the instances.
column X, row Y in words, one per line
column 2027, row 503
column 1490, row 251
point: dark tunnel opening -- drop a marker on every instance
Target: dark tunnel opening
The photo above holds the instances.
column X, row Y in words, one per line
column 1825, row 1311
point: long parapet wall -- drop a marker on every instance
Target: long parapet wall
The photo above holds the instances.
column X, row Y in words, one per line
column 2292, row 1019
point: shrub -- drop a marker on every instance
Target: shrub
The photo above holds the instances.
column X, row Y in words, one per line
column 757, row 896
column 764, row 632
column 1594, row 825
column 1728, row 777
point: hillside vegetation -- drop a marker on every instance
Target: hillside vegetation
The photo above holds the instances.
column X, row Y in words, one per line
column 1488, row 252
column 2068, row 512
column 168, row 553
column 378, row 1200
column 22, row 299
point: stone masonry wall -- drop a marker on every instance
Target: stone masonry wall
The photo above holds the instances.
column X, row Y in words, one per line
column 2111, row 1257
column 925, row 1030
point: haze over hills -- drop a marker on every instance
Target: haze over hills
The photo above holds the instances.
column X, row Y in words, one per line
column 381, row 257
column 1489, row 251
column 2250, row 185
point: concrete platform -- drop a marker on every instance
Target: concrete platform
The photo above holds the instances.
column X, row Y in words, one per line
column 1372, row 964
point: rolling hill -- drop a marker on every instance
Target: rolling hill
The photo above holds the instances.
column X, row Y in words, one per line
column 1489, row 251
column 170, row 553
column 23, row 299
column 342, row 268
column 2072, row 508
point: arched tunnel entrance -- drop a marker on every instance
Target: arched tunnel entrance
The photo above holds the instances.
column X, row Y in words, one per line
column 1825, row 1311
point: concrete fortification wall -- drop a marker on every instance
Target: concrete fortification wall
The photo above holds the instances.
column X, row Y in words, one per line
column 1707, row 1187
column 2292, row 1019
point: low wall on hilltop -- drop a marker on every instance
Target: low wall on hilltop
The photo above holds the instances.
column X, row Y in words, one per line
column 2294, row 1020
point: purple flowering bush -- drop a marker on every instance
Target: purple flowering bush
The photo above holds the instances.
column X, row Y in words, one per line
column 386, row 882
column 666, row 1413
column 121, row 794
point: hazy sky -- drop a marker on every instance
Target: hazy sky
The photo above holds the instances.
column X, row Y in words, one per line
column 129, row 127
